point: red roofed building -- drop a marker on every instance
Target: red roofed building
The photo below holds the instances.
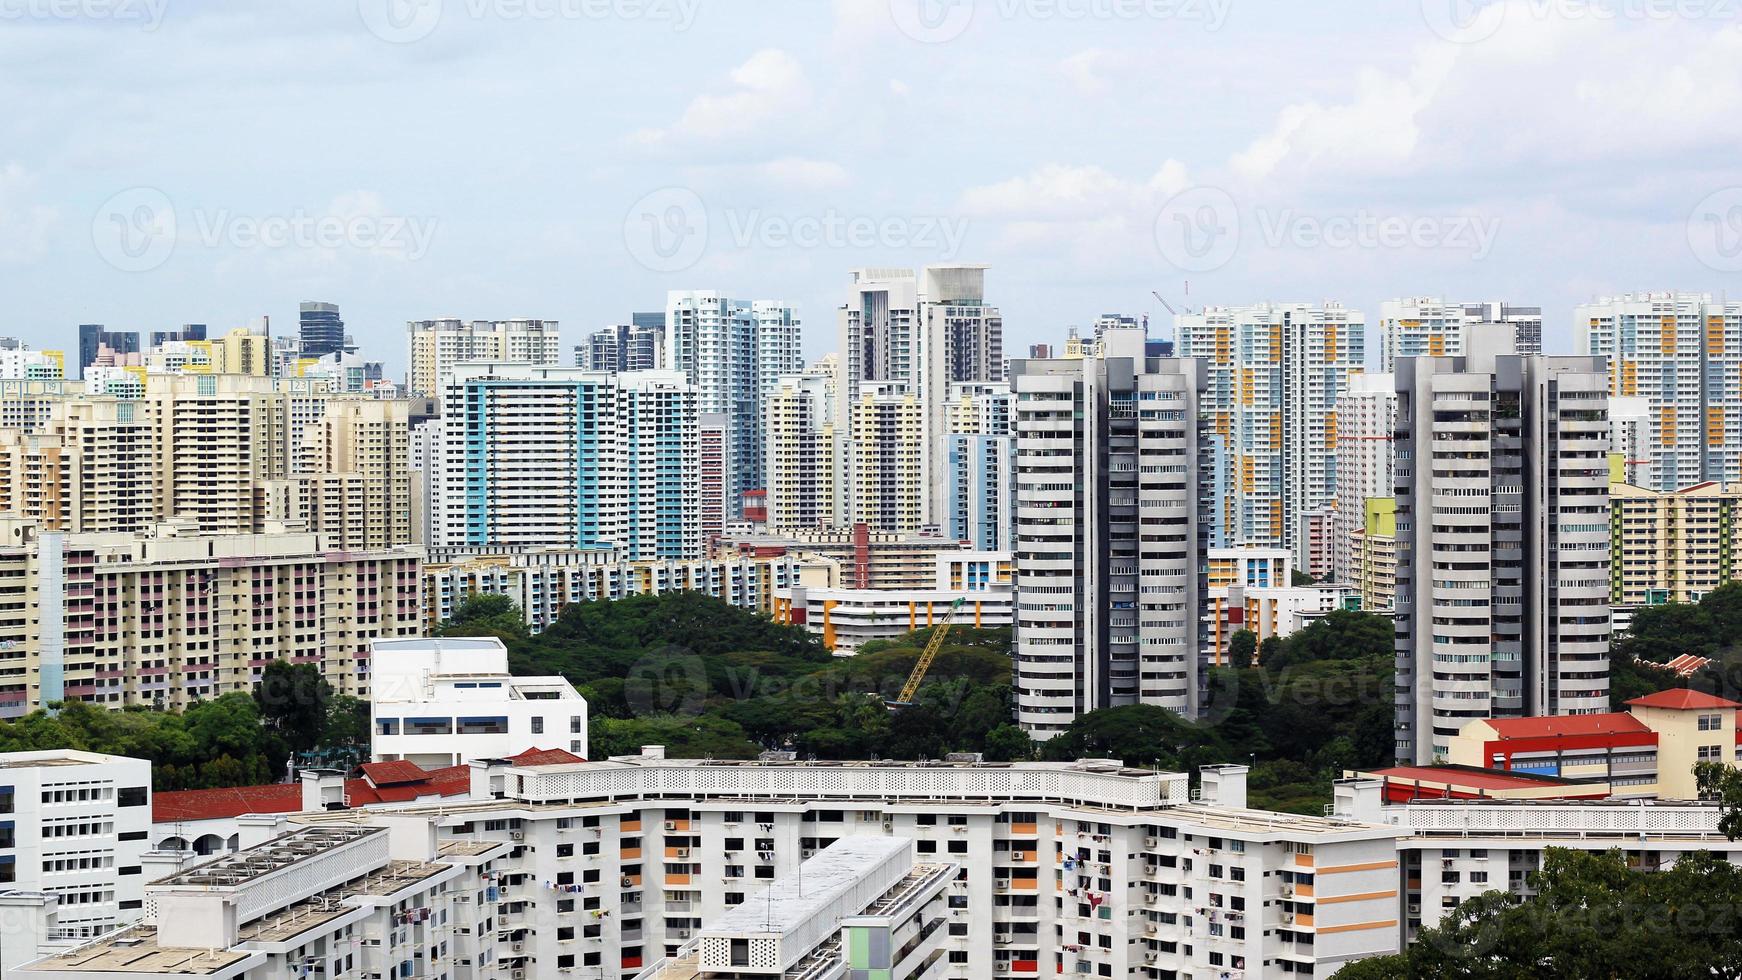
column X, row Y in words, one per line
column 204, row 820
column 1648, row 751
column 1403, row 784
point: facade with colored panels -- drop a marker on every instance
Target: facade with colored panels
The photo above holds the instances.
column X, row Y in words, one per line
column 1502, row 543
column 1112, row 457
column 564, row 458
column 847, row 619
column 733, row 352
column 1277, row 374
column 1673, row 546
column 1252, row 589
column 1435, row 328
column 167, row 618
column 865, row 559
column 1682, row 353
column 1375, row 555
column 543, row 581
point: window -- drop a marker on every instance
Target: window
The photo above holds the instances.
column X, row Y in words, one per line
column 538, row 726
column 1711, row 723
column 6, row 799
column 1711, row 753
column 131, row 796
column 387, row 726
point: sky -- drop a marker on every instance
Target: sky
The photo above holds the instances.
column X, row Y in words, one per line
column 214, row 161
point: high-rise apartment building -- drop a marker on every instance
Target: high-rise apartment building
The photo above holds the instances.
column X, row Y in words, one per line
column 1109, row 533
column 185, row 332
column 320, row 330
column 564, row 458
column 1682, row 353
column 352, row 476
column 714, row 465
column 923, row 331
column 624, row 347
column 1502, row 523
column 1366, row 415
column 886, row 465
column 169, row 616
column 733, row 352
column 1427, row 327
column 1276, row 375
column 437, row 346
column 979, row 465
column 804, row 453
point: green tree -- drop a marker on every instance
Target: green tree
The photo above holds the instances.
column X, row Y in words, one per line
column 292, row 702
column 486, row 614
column 1242, row 648
column 1722, row 783
column 1008, row 743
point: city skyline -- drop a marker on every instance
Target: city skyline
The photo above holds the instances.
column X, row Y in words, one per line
column 746, row 116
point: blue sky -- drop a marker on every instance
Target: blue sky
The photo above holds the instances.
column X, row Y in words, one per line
column 495, row 158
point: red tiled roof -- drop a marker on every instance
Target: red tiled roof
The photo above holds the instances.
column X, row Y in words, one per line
column 1682, row 699
column 393, row 773
column 1556, row 726
column 1687, row 664
column 545, row 757
column 1459, row 776
column 214, row 804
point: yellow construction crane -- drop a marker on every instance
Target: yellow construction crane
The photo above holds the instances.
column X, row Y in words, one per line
column 930, row 653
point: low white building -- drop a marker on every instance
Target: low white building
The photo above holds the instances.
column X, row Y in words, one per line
column 847, row 619
column 341, row 901
column 446, row 702
column 76, row 826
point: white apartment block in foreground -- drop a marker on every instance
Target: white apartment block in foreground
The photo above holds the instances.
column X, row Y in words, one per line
column 445, row 702
column 74, row 825
column 1083, row 869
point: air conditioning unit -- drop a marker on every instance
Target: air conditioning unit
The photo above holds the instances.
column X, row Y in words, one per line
column 1004, row 937
column 1149, row 898
column 516, row 835
column 671, row 825
column 683, row 852
column 1002, row 883
column 1151, row 842
column 519, row 975
column 1149, row 957
column 1288, row 918
column 683, row 934
column 520, row 947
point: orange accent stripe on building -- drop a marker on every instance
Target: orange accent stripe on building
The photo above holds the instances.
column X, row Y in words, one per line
column 1345, row 868
column 1358, row 927
column 1362, row 897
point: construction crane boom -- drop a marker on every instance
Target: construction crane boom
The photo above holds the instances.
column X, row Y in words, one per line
column 926, row 657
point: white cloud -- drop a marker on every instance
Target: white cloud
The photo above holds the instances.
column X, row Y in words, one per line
column 797, row 173
column 1059, row 192
column 772, row 83
column 1089, row 71
column 1546, row 91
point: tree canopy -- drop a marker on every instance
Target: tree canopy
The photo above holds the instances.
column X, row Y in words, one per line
column 1590, row 916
